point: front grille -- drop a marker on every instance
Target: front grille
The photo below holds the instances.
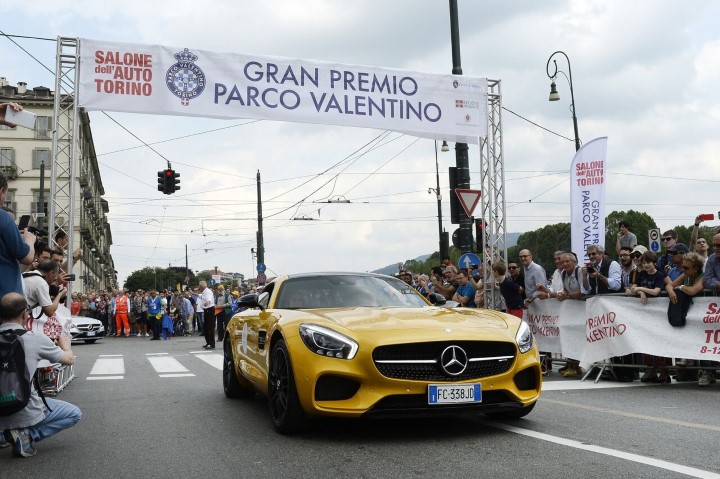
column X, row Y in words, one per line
column 88, row 327
column 421, row 361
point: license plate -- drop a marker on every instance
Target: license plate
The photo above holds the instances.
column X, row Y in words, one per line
column 454, row 393
column 91, row 333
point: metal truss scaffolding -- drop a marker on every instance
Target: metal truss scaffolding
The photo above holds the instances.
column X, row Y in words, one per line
column 492, row 180
column 65, row 142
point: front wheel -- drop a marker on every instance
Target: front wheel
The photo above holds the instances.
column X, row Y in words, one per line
column 285, row 409
column 232, row 387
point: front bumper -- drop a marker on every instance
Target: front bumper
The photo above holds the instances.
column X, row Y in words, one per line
column 354, row 388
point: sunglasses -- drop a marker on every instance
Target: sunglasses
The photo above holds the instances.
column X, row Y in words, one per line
column 624, row 255
column 515, row 267
column 667, row 238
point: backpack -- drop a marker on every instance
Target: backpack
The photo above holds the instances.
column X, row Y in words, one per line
column 15, row 389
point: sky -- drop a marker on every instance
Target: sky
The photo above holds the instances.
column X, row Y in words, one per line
column 645, row 74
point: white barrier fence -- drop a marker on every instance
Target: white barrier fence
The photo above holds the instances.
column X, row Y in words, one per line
column 605, row 326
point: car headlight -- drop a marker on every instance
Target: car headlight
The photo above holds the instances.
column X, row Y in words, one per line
column 524, row 337
column 326, row 342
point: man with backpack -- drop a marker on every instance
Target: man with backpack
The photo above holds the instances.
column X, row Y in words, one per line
column 24, row 418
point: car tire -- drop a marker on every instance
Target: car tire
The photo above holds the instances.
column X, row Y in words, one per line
column 285, row 409
column 514, row 414
column 232, row 387
column 90, row 341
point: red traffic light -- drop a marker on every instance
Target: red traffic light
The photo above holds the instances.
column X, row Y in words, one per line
column 169, row 173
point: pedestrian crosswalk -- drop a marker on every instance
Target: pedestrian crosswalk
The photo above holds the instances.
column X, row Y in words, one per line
column 112, row 366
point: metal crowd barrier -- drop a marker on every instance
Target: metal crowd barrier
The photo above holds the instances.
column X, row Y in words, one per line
column 54, row 378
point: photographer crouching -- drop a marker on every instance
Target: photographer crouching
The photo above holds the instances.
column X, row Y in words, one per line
column 32, row 419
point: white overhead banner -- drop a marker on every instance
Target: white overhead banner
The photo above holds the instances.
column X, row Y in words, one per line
column 588, row 174
column 192, row 82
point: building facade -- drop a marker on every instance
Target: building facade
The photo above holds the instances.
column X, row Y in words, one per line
column 24, row 153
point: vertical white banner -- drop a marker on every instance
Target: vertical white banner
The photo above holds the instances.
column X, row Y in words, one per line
column 588, row 175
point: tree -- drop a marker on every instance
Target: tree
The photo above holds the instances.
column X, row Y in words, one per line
column 543, row 243
column 158, row 278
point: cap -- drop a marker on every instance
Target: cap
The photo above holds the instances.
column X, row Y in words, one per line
column 235, row 293
column 639, row 249
column 220, row 286
column 679, row 248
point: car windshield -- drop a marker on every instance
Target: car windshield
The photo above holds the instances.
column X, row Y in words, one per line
column 346, row 291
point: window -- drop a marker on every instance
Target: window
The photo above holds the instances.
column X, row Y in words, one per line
column 7, row 157
column 43, row 127
column 40, row 155
column 10, row 200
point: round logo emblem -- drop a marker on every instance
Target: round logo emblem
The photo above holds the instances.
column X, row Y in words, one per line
column 454, row 360
column 185, row 79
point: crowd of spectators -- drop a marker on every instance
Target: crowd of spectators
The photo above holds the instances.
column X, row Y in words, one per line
column 679, row 271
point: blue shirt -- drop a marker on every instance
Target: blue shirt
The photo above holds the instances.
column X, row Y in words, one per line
column 12, row 249
column 154, row 306
column 467, row 291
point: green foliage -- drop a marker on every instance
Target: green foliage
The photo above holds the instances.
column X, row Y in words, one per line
column 543, row 243
column 158, row 278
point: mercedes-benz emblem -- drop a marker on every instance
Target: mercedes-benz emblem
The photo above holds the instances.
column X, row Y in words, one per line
column 454, row 360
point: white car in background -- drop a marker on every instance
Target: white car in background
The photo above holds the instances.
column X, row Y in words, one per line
column 85, row 329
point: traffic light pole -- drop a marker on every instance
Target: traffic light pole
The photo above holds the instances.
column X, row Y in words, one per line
column 461, row 149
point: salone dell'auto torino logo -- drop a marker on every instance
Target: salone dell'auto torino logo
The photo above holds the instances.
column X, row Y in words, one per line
column 185, row 79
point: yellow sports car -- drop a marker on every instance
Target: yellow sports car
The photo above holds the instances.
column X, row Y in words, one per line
column 362, row 344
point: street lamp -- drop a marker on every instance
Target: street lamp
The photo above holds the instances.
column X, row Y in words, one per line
column 555, row 96
column 442, row 250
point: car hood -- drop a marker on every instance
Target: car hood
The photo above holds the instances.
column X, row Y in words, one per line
column 405, row 319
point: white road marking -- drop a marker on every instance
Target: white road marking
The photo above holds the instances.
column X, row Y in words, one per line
column 689, row 471
column 578, row 385
column 166, row 364
column 95, row 378
column 156, row 354
column 108, row 366
column 178, row 375
column 215, row 360
column 110, row 355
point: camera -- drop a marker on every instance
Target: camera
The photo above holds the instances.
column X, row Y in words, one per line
column 70, row 277
column 590, row 267
column 40, row 235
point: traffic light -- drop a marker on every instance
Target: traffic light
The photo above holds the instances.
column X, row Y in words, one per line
column 175, row 181
column 161, row 181
column 168, row 181
column 479, row 231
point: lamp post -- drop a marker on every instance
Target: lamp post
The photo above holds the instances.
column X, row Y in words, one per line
column 442, row 250
column 555, row 96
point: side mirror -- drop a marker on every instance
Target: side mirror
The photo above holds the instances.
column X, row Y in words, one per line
column 249, row 301
column 437, row 299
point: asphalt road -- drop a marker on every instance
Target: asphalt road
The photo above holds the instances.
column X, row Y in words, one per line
column 161, row 413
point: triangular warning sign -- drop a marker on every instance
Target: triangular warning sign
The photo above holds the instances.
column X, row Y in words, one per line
column 468, row 199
